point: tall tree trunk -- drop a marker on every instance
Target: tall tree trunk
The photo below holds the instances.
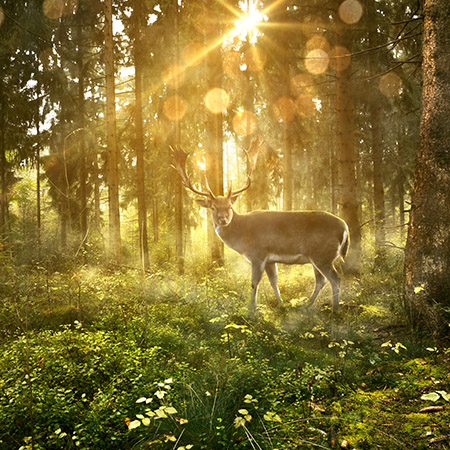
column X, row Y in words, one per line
column 179, row 244
column 140, row 148
column 427, row 257
column 82, row 135
column 345, row 150
column 3, row 197
column 375, row 108
column 38, row 175
column 214, row 138
column 112, row 169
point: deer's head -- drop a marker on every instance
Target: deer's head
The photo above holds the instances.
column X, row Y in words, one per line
column 221, row 206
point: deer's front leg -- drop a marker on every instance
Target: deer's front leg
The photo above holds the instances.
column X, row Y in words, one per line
column 257, row 272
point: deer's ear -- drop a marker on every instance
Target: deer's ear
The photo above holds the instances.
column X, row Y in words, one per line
column 234, row 198
column 205, row 202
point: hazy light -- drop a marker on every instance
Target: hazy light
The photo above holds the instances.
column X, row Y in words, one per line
column 217, row 100
column 340, row 58
column 232, row 64
column 173, row 76
column 193, row 54
column 305, row 105
column 284, row 109
column 318, row 42
column 175, row 108
column 255, row 59
column 391, row 85
column 301, row 83
column 316, row 61
column 55, row 9
column 246, row 27
column 245, row 123
column 350, row 11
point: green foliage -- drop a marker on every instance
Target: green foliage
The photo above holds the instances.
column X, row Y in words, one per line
column 97, row 358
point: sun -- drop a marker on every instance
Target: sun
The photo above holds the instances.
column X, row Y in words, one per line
column 246, row 26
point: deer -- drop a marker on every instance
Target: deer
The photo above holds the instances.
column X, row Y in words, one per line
column 266, row 238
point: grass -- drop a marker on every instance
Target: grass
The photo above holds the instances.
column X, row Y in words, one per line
column 96, row 358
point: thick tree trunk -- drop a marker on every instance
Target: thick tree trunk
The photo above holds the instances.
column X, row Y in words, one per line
column 82, row 135
column 214, row 133
column 115, row 247
column 140, row 148
column 375, row 109
column 179, row 241
column 345, row 151
column 427, row 258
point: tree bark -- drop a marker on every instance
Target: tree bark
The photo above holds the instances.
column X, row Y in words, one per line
column 375, row 109
column 140, row 148
column 214, row 139
column 112, row 170
column 81, row 125
column 427, row 257
column 345, row 151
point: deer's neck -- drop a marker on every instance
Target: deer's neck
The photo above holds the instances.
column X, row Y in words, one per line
column 228, row 233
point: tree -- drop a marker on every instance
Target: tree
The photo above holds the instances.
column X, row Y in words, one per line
column 427, row 259
column 112, row 170
column 345, row 149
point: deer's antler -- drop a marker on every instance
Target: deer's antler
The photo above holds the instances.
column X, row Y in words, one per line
column 252, row 156
column 180, row 157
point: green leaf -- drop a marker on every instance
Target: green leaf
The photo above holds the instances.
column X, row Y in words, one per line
column 243, row 411
column 134, row 424
column 445, row 395
column 141, row 400
column 432, row 396
column 146, row 421
column 170, row 410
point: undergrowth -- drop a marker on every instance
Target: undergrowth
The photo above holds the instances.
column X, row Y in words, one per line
column 101, row 358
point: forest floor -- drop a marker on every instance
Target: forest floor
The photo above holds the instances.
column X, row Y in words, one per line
column 107, row 358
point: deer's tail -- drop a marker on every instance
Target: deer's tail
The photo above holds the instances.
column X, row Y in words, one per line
column 343, row 249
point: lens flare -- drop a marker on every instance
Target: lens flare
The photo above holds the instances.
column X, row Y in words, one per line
column 55, row 9
column 175, row 108
column 350, row 11
column 305, row 105
column 284, row 109
column 244, row 123
column 316, row 61
column 173, row 76
column 340, row 58
column 318, row 42
column 391, row 85
column 301, row 83
column 217, row 100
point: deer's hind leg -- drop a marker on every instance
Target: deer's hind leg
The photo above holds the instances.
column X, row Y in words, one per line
column 320, row 283
column 328, row 271
column 272, row 274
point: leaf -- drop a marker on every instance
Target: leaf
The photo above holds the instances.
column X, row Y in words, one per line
column 141, row 400
column 134, row 424
column 161, row 414
column 146, row 421
column 445, row 395
column 160, row 394
column 243, row 411
column 170, row 410
column 239, row 422
column 432, row 396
